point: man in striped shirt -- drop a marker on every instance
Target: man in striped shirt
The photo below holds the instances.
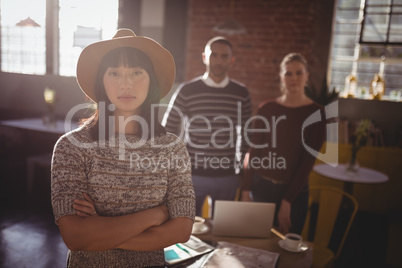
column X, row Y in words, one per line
column 209, row 113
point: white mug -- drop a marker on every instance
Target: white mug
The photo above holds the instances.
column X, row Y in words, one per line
column 293, row 241
column 198, row 224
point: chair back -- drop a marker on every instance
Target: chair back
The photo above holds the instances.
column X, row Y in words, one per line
column 206, row 211
column 330, row 215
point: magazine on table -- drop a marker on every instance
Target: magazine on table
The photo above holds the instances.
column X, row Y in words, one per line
column 181, row 252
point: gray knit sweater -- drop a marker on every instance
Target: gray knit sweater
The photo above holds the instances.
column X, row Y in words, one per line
column 122, row 175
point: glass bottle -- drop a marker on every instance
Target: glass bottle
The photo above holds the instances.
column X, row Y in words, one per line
column 377, row 88
column 350, row 85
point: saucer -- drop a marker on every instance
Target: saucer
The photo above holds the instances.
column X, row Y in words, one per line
column 303, row 247
column 203, row 229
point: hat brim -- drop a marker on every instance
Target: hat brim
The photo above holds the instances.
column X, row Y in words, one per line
column 91, row 56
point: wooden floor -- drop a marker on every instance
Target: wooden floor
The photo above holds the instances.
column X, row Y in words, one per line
column 30, row 239
column 29, row 236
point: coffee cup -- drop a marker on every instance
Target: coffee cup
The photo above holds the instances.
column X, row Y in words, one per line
column 293, row 241
column 198, row 224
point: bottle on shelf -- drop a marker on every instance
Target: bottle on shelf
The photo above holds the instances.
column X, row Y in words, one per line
column 350, row 85
column 377, row 88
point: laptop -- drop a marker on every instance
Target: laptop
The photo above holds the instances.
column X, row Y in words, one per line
column 243, row 219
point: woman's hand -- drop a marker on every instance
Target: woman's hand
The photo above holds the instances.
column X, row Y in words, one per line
column 82, row 232
column 284, row 217
column 84, row 207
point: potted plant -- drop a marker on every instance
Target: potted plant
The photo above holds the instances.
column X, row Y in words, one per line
column 360, row 136
column 324, row 96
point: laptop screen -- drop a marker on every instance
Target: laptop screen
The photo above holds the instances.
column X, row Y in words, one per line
column 243, row 219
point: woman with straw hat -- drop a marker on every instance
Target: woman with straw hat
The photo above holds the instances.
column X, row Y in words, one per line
column 121, row 185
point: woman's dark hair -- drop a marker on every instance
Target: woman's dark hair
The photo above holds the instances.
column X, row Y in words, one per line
column 128, row 57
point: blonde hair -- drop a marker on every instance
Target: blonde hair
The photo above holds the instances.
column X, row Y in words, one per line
column 293, row 57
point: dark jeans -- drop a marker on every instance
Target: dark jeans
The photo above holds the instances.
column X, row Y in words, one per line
column 266, row 191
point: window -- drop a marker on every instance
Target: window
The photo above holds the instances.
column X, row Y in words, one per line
column 23, row 44
column 382, row 22
column 23, row 33
column 364, row 59
column 89, row 25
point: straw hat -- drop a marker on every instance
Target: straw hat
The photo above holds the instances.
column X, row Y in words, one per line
column 91, row 56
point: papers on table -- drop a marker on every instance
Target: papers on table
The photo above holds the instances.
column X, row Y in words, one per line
column 235, row 256
column 224, row 255
column 180, row 252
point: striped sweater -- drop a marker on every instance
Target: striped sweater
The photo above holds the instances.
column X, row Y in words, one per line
column 211, row 121
column 123, row 175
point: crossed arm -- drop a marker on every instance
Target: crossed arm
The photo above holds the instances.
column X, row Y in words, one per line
column 142, row 231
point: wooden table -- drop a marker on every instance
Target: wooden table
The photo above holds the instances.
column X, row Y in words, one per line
column 339, row 172
column 38, row 124
column 286, row 259
column 37, row 138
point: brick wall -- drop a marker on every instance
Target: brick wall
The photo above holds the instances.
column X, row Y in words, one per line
column 274, row 28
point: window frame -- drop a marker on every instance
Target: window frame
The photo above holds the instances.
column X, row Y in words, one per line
column 52, row 43
column 356, row 62
column 392, row 6
column 12, row 29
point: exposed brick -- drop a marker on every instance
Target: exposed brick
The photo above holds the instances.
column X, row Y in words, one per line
column 274, row 29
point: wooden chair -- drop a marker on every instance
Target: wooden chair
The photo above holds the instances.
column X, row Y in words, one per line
column 331, row 213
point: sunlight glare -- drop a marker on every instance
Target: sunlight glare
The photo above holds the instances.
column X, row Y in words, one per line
column 13, row 11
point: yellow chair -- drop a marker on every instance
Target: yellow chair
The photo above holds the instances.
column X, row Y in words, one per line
column 206, row 211
column 331, row 213
column 238, row 194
